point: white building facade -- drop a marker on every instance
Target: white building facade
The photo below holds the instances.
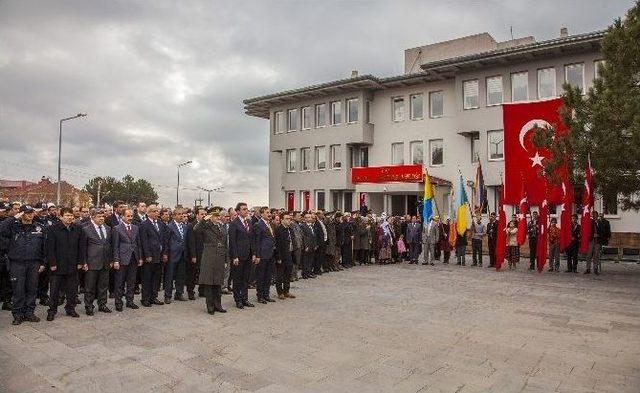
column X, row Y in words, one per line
column 444, row 113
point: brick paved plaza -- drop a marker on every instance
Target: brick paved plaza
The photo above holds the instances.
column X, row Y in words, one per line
column 375, row 328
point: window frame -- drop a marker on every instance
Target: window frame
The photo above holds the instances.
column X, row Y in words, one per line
column 464, row 96
column 302, row 118
column 411, row 155
column 322, row 105
column 486, row 83
column 276, row 128
column 431, row 93
column 489, row 133
column 475, row 143
column 555, row 82
column 411, row 111
column 288, row 154
column 401, row 153
column 348, row 111
column 431, row 142
column 316, row 199
column 595, row 67
column 584, row 82
column 302, row 159
column 333, row 151
column 297, row 113
column 317, row 157
column 526, row 73
column 332, row 113
column 393, row 108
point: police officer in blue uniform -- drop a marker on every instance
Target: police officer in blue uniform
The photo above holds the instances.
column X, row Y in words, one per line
column 25, row 241
column 7, row 213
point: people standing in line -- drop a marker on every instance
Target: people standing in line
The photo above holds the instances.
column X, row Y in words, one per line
column 241, row 252
column 600, row 235
column 553, row 235
column 478, row 231
column 265, row 243
column 154, row 245
column 445, row 246
column 574, row 245
column 96, row 254
column 513, row 248
column 214, row 259
column 309, row 246
column 64, row 260
column 297, row 245
column 175, row 271
column 430, row 239
column 194, row 252
column 532, row 233
column 9, row 211
column 365, row 241
column 492, row 237
column 413, row 238
column 284, row 257
column 127, row 258
column 320, row 230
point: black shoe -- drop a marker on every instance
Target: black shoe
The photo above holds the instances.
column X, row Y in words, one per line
column 432, row 264
column 112, row 296
column 157, row 302
column 145, row 303
column 270, row 300
column 211, row 312
column 73, row 314
column 89, row 312
column 222, row 310
column 167, row 300
column 550, row 269
column 136, row 291
column 239, row 305
column 247, row 304
column 425, row 263
column 104, row 309
column 50, row 316
column 132, row 305
column 596, row 272
column 192, row 296
column 179, row 298
column 44, row 301
column 262, row 301
column 119, row 307
column 31, row 318
column 6, row 306
column 17, row 321
column 588, row 271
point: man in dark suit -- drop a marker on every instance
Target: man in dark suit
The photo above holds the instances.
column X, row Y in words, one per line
column 97, row 257
column 265, row 243
column 284, row 256
column 413, row 235
column 174, row 272
column 320, row 230
column 112, row 221
column 346, row 241
column 127, row 257
column 153, row 242
column 309, row 246
column 241, row 254
column 572, row 249
column 63, row 256
column 140, row 214
column 195, row 246
column 492, row 238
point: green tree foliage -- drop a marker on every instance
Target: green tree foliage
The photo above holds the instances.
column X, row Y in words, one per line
column 604, row 123
column 128, row 190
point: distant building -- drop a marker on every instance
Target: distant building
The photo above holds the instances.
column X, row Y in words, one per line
column 43, row 191
column 444, row 112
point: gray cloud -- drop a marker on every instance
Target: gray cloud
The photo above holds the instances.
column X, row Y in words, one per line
column 163, row 81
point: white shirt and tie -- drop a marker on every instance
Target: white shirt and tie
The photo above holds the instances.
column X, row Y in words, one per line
column 102, row 234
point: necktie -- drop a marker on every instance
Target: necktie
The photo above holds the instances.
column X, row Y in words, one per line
column 129, row 230
column 246, row 225
column 155, row 224
column 102, row 233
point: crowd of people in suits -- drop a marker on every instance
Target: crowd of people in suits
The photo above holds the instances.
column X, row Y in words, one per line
column 164, row 255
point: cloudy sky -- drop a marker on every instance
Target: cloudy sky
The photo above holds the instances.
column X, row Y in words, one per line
column 163, row 81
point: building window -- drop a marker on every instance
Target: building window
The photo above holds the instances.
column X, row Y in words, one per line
column 417, row 107
column 546, row 82
column 278, row 123
column 574, row 75
column 470, row 94
column 320, row 204
column 321, row 158
column 494, row 90
column 336, row 112
column 306, row 117
column 291, row 160
column 520, row 86
column 359, row 156
column 436, row 149
column 436, row 104
column 597, row 72
column 352, row 110
column 321, row 115
column 495, row 142
column 398, row 108
column 348, row 201
column 334, row 156
column 305, row 159
column 336, row 200
column 397, row 153
column 417, row 153
column 292, row 114
column 475, row 149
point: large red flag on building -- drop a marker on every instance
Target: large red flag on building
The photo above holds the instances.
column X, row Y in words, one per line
column 543, row 243
column 521, row 158
column 565, row 214
column 501, row 236
column 587, row 205
column 522, row 214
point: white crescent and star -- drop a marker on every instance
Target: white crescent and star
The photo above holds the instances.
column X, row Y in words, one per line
column 537, row 159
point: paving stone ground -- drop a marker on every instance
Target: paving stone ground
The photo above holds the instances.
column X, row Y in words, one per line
column 395, row 328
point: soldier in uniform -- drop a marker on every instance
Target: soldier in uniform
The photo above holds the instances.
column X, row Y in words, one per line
column 214, row 259
column 25, row 241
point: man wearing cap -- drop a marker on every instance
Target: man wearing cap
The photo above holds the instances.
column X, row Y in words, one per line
column 214, row 258
column 9, row 210
column 46, row 217
column 25, row 242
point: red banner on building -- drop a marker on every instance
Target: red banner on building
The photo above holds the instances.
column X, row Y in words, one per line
column 388, row 174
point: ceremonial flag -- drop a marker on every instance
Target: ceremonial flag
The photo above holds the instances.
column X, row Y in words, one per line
column 427, row 201
column 521, row 158
column 543, row 243
column 501, row 236
column 453, row 232
column 462, row 215
column 480, row 191
column 587, row 205
column 565, row 214
column 522, row 215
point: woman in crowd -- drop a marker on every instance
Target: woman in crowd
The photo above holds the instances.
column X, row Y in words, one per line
column 513, row 249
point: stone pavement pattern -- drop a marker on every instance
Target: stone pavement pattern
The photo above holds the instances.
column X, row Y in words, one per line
column 370, row 329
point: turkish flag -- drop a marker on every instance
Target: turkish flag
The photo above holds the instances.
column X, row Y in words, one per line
column 542, row 244
column 587, row 204
column 522, row 160
column 501, row 236
column 522, row 215
column 565, row 214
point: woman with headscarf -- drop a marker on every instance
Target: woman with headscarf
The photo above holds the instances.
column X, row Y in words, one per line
column 385, row 240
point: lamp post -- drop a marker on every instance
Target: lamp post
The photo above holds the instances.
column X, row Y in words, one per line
column 60, row 153
column 178, row 185
column 209, row 191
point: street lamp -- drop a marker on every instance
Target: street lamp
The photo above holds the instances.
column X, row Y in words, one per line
column 209, row 191
column 178, row 185
column 60, row 152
